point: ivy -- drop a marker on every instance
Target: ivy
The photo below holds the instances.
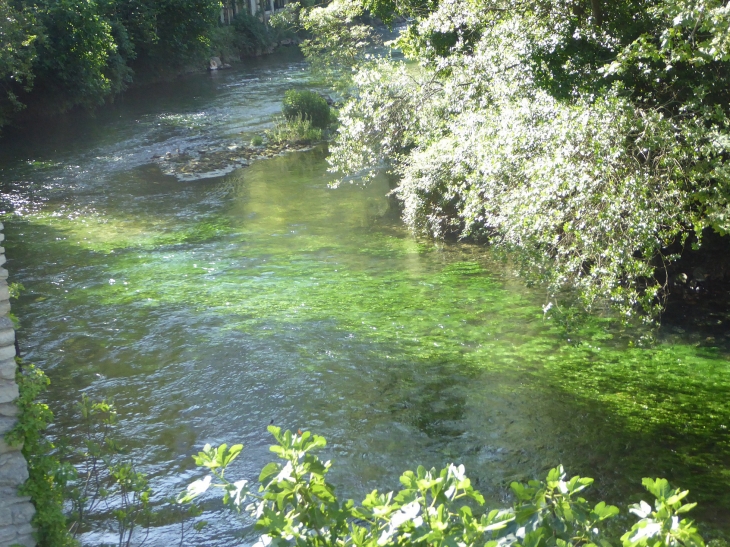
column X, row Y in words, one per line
column 47, row 475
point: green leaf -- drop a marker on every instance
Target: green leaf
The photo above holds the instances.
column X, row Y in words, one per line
column 270, row 470
column 677, row 497
column 686, row 508
column 602, row 511
column 660, row 488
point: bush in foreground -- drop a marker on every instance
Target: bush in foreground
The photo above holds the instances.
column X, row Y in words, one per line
column 295, row 505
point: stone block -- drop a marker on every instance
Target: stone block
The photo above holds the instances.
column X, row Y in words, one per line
column 5, row 448
column 9, row 409
column 22, row 513
column 11, row 493
column 6, row 424
column 7, row 337
column 8, row 391
column 16, row 535
column 25, row 540
column 4, row 307
column 25, row 529
column 6, row 516
column 15, row 509
column 2, row 236
column 16, row 514
column 6, row 323
column 13, row 469
column 3, row 260
column 3, row 273
column 7, row 352
column 7, row 370
column 4, row 291
column 7, row 535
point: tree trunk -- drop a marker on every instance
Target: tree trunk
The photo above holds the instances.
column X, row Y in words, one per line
column 597, row 12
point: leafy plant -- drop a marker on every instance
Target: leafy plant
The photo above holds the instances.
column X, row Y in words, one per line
column 14, row 289
column 307, row 105
column 296, row 505
column 662, row 526
column 47, row 475
column 298, row 130
column 104, row 478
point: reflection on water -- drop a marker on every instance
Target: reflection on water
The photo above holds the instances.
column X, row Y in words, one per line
column 207, row 310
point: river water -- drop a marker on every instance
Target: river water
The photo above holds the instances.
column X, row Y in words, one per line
column 208, row 309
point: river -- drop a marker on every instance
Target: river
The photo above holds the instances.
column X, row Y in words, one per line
column 208, row 309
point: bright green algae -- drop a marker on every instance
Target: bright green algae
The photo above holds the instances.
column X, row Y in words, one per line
column 281, row 251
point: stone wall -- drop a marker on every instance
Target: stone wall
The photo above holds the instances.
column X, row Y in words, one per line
column 15, row 511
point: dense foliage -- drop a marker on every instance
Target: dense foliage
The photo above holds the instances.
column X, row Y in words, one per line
column 295, row 505
column 592, row 138
column 58, row 54
column 17, row 35
column 307, row 104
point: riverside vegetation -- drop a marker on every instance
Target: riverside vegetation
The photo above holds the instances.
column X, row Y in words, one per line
column 59, row 54
column 295, row 505
column 589, row 140
column 576, row 147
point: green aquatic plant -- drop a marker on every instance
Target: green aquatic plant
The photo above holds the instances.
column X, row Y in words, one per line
column 297, row 130
column 343, row 283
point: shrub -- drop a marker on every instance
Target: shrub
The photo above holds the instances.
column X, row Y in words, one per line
column 309, row 105
column 257, row 140
column 102, row 477
column 224, row 43
column 295, row 505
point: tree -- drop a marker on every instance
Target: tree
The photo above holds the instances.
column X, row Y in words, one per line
column 590, row 139
column 59, row 54
column 175, row 32
column 17, row 53
column 76, row 52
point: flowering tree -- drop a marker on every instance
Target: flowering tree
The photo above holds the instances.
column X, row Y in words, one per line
column 591, row 139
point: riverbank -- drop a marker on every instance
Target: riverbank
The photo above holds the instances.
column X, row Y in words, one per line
column 79, row 55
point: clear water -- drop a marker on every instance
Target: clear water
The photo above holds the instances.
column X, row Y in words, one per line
column 208, row 309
